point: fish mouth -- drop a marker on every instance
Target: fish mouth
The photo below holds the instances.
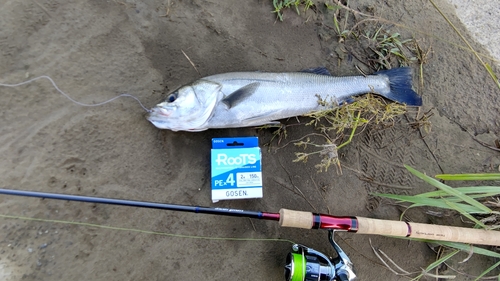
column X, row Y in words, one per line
column 159, row 118
column 158, row 112
column 162, row 111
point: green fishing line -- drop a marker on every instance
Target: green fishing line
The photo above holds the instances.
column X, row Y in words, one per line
column 148, row 231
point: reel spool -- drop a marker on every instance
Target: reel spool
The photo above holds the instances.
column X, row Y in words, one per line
column 306, row 264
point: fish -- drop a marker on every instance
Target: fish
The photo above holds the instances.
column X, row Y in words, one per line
column 247, row 99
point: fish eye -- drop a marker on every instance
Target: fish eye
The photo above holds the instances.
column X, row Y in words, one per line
column 172, row 97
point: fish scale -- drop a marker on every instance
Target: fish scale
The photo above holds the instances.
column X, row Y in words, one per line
column 287, row 95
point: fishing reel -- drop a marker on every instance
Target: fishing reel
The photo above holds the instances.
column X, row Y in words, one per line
column 306, row 264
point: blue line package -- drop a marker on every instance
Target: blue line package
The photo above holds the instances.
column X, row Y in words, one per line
column 236, row 168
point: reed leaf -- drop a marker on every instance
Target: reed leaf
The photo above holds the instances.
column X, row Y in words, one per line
column 488, row 270
column 449, row 190
column 470, row 177
column 439, row 203
column 441, row 260
column 455, row 206
column 468, row 248
column 478, row 191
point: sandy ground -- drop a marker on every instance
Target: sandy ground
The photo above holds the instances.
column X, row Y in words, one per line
column 95, row 50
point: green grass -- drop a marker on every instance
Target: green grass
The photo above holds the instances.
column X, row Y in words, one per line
column 390, row 48
column 464, row 200
column 343, row 32
column 468, row 177
column 280, row 5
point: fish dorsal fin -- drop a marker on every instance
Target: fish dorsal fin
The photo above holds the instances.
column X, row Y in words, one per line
column 239, row 95
column 317, row 70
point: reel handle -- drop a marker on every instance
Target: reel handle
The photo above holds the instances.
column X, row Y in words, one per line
column 308, row 220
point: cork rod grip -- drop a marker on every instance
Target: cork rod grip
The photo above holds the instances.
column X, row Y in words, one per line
column 298, row 219
column 428, row 231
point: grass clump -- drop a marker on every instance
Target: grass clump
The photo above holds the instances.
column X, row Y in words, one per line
column 365, row 109
column 479, row 204
column 343, row 32
column 388, row 47
column 370, row 39
column 338, row 125
column 280, row 5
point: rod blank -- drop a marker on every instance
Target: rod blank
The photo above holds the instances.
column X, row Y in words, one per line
column 143, row 204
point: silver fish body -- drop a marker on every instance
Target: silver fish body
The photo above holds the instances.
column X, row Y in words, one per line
column 242, row 99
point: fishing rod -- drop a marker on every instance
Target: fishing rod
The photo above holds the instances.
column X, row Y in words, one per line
column 304, row 263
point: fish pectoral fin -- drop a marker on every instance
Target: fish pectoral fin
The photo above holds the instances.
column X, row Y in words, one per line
column 317, row 70
column 240, row 95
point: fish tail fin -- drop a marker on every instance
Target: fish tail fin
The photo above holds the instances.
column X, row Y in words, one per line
column 400, row 80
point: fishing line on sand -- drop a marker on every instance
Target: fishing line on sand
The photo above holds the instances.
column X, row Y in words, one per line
column 147, row 231
column 71, row 99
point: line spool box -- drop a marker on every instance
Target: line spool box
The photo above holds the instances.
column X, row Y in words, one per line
column 236, row 168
